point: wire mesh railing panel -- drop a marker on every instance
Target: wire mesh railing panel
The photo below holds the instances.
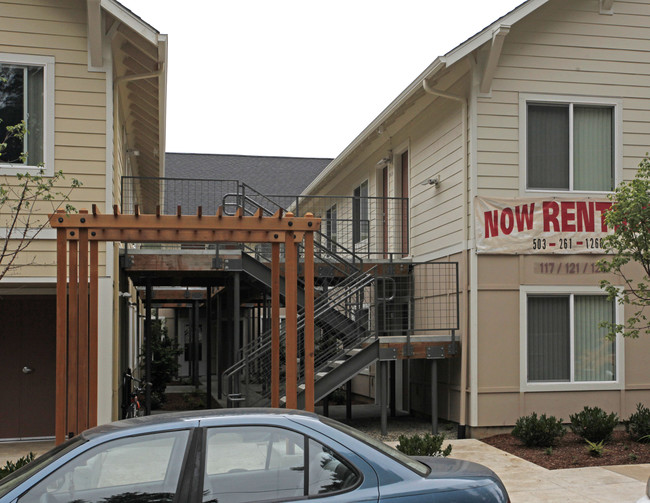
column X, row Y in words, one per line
column 422, row 298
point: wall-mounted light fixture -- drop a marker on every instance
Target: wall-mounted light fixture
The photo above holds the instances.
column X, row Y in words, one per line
column 435, row 181
column 386, row 160
column 126, row 295
column 133, row 151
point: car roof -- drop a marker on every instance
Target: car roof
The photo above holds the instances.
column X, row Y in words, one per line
column 174, row 419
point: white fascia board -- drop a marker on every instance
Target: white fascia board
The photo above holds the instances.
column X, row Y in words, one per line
column 162, row 102
column 131, row 20
column 439, row 64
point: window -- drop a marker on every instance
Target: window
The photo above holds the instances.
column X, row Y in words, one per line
column 27, row 94
column 331, row 227
column 564, row 341
column 570, row 146
column 143, row 468
column 360, row 222
column 271, row 464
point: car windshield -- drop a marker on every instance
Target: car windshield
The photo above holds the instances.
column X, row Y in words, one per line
column 16, row 478
column 400, row 457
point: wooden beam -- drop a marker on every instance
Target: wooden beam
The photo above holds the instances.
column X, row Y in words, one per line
column 225, row 222
column 498, row 37
column 60, row 421
column 185, row 236
column 275, row 325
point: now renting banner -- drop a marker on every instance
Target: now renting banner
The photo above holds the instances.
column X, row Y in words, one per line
column 540, row 225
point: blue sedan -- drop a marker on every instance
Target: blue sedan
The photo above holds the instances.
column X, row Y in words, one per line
column 237, row 456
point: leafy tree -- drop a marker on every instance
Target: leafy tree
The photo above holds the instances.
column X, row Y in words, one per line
column 629, row 216
column 20, row 212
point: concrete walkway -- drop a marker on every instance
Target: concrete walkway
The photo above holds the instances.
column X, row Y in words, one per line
column 525, row 481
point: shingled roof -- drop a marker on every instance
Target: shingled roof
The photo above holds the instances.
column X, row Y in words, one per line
column 267, row 175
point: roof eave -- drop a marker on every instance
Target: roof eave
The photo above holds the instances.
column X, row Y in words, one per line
column 439, row 64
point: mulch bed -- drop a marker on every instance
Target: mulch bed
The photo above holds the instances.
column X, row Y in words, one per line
column 571, row 451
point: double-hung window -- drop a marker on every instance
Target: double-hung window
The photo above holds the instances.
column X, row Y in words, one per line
column 360, row 222
column 564, row 342
column 570, row 146
column 331, row 227
column 27, row 94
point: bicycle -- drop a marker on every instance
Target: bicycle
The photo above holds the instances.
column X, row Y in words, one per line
column 135, row 409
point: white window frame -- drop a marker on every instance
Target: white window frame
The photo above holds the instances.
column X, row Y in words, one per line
column 524, row 292
column 47, row 62
column 525, row 99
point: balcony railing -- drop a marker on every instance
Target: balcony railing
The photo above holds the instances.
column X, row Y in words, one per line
column 374, row 228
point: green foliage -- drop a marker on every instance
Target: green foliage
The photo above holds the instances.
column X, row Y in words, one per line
column 593, row 424
column 595, row 448
column 548, row 451
column 630, row 242
column 19, row 195
column 539, row 431
column 195, row 400
column 638, row 425
column 426, row 445
column 164, row 361
column 12, row 466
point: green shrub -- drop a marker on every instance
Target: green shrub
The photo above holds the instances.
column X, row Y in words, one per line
column 11, row 466
column 539, row 431
column 164, row 361
column 593, row 424
column 638, row 425
column 427, row 445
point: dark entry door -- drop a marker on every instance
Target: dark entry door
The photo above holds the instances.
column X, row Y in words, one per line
column 27, row 365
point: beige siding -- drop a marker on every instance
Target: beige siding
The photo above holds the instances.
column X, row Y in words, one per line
column 566, row 48
column 58, row 28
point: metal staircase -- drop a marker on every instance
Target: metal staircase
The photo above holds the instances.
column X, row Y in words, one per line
column 343, row 340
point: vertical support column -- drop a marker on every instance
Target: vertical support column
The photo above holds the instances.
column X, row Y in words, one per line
column 73, row 334
column 237, row 331
column 61, row 335
column 275, row 325
column 348, row 400
column 147, row 346
column 208, row 348
column 82, row 401
column 309, row 321
column 291, row 308
column 383, row 365
column 195, row 343
column 434, row 396
column 93, row 334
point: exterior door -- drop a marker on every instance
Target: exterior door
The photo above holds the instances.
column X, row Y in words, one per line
column 404, row 193
column 27, row 365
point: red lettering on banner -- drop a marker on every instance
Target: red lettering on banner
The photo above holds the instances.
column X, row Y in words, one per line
column 524, row 217
column 507, row 226
column 568, row 219
column 585, row 212
column 491, row 223
column 603, row 208
column 550, row 212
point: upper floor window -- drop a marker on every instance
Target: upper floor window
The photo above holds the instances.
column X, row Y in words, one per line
column 570, row 146
column 360, row 222
column 27, row 94
column 331, row 227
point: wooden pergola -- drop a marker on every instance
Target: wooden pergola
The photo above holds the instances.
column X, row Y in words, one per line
column 78, row 237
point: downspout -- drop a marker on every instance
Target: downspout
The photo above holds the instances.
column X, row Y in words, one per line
column 464, row 338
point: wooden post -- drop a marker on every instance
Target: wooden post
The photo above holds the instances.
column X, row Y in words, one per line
column 275, row 325
column 93, row 334
column 291, row 308
column 73, row 335
column 61, row 333
column 82, row 378
column 309, row 321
